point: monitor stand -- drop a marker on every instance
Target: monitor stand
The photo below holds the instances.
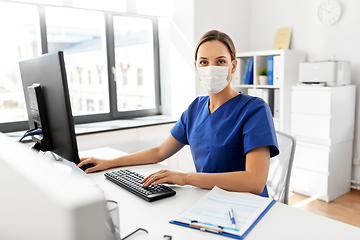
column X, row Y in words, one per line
column 36, row 146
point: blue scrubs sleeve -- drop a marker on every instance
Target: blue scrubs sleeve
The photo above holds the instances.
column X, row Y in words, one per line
column 259, row 128
column 179, row 130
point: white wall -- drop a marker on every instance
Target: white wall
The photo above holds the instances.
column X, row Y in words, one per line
column 176, row 51
column 229, row 16
column 321, row 42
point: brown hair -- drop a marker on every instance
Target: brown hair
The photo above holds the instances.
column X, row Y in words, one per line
column 219, row 36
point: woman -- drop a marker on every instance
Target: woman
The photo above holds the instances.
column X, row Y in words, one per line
column 231, row 135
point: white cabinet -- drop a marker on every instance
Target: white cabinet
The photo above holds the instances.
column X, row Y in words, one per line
column 285, row 74
column 323, row 125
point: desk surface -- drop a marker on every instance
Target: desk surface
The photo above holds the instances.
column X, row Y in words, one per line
column 281, row 222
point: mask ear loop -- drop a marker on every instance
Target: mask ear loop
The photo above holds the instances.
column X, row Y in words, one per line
column 231, row 63
column 230, row 71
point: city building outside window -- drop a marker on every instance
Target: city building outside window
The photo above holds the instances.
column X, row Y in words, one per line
column 125, row 76
column 101, row 104
column 100, row 70
column 70, row 74
column 90, row 105
column 80, row 108
column 139, row 77
column 79, row 72
column 89, row 75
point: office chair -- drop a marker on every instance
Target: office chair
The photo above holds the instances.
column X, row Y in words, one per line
column 280, row 168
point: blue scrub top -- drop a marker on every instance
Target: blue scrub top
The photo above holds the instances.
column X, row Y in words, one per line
column 219, row 141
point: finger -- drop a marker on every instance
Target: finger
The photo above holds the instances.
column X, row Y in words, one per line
column 82, row 162
column 161, row 181
column 150, row 181
column 86, row 161
column 147, row 182
column 164, row 177
column 84, row 158
column 92, row 169
column 170, row 178
column 149, row 176
column 146, row 178
column 153, row 179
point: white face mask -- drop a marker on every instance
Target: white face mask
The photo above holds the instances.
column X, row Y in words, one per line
column 213, row 78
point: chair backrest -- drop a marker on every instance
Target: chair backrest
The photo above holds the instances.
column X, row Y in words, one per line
column 280, row 168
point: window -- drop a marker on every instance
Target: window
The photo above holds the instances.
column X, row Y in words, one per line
column 99, row 71
column 101, row 104
column 70, row 74
column 20, row 39
column 111, row 59
column 134, row 41
column 89, row 76
column 90, row 105
column 81, row 36
column 79, row 76
column 139, row 77
column 80, row 108
column 125, row 76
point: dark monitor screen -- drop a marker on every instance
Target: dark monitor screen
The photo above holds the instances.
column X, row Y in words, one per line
column 48, row 71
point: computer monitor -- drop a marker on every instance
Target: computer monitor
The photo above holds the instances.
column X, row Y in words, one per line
column 43, row 199
column 44, row 80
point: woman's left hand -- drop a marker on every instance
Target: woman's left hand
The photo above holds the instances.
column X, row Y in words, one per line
column 164, row 176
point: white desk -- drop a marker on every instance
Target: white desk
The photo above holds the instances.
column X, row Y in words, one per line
column 281, row 222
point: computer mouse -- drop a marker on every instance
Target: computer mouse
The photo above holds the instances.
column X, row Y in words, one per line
column 86, row 166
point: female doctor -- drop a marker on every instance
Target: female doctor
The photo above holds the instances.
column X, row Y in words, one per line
column 231, row 135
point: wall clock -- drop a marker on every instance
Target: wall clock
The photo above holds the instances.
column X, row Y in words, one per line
column 329, row 12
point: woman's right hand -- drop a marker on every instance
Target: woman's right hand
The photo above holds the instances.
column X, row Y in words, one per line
column 99, row 164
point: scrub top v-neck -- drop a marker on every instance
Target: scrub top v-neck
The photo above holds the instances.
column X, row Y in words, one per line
column 219, row 141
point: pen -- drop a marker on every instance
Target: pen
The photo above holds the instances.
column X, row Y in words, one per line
column 232, row 218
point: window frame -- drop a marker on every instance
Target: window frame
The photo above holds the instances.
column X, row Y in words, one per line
column 113, row 114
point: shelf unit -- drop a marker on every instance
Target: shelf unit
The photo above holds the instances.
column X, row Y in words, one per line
column 288, row 75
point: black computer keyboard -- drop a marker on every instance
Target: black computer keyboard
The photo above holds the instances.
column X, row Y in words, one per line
column 131, row 181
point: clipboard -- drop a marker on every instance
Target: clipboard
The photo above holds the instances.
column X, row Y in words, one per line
column 263, row 205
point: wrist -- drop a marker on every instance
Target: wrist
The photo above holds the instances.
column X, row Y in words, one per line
column 187, row 178
column 115, row 162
